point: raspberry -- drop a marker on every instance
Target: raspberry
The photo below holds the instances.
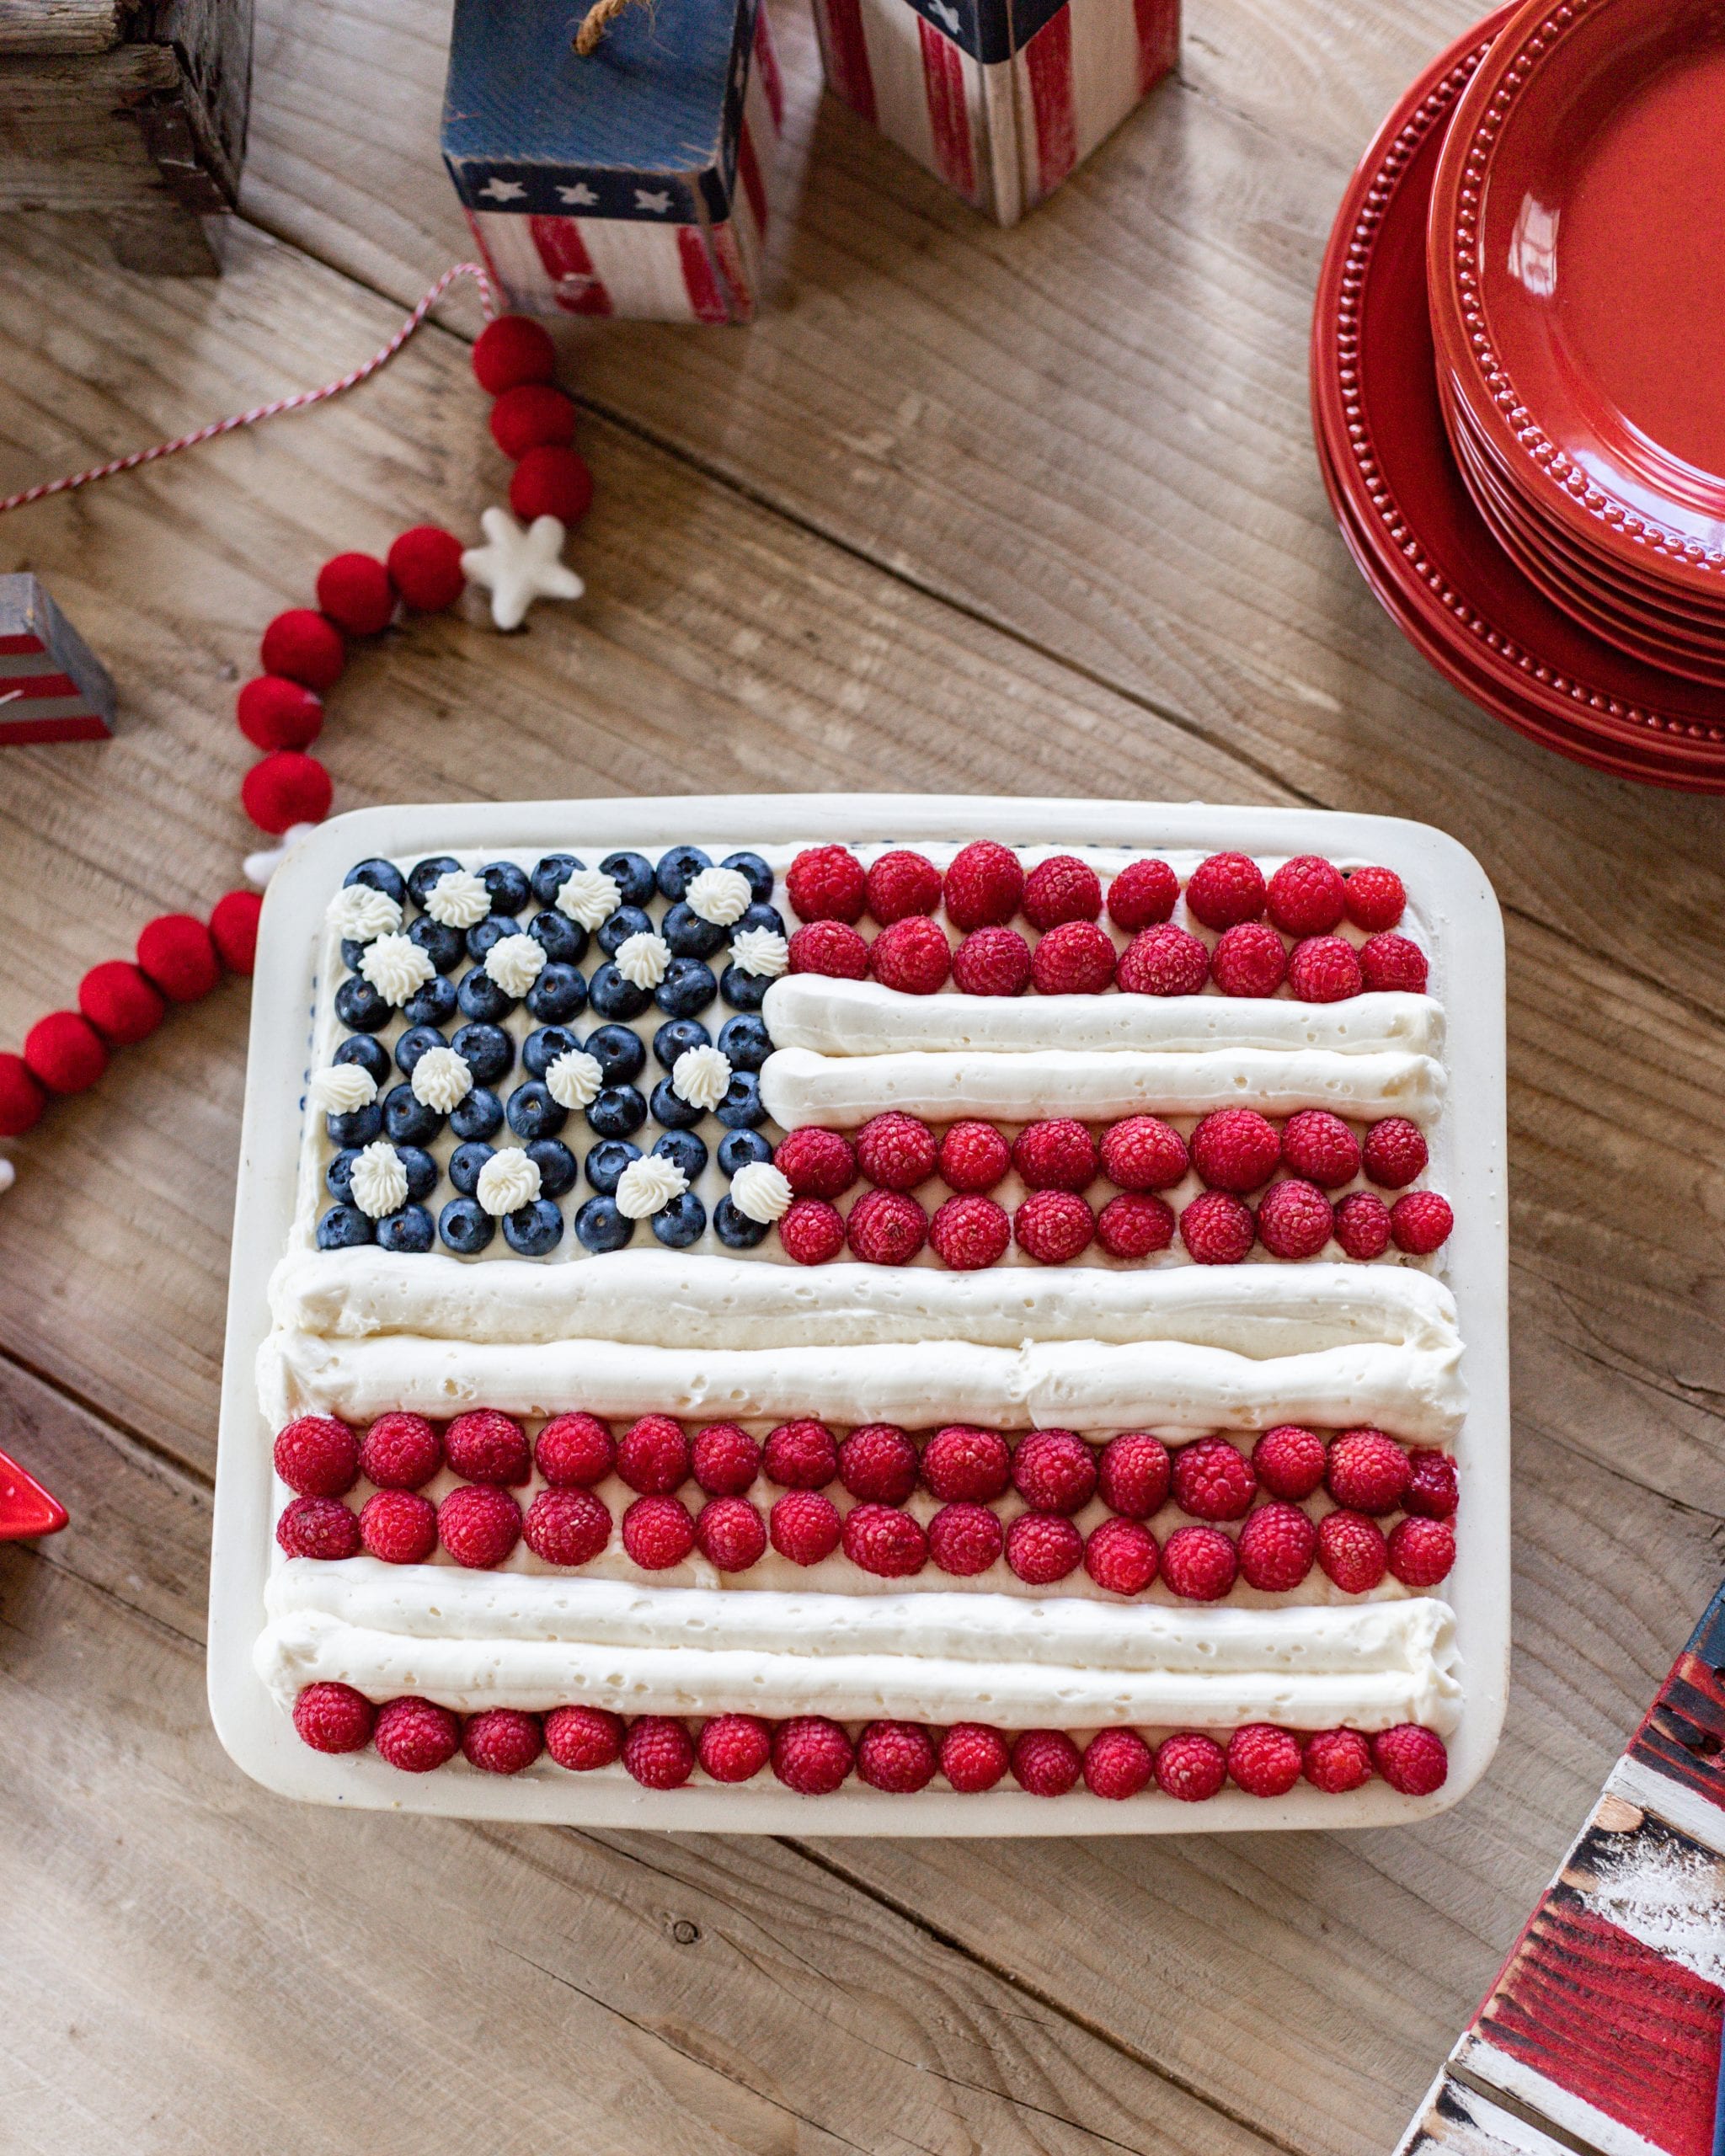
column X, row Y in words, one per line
column 416, row 1736
column 1421, row 1552
column 1052, row 1226
column 1226, row 888
column 829, row 947
column 1143, row 895
column 959, row 1462
column 1277, row 1548
column 726, row 1459
column 1131, row 1226
column 898, row 1757
column 1235, row 1149
column 810, row 1755
column 801, row 1455
column 653, row 1456
column 973, row 1156
column 735, row 1747
column 900, row 884
column 984, row 885
column 401, row 1452
column 334, row 1718
column 1045, row 1762
column 1368, row 1471
column 1390, row 962
column 804, row 1526
column 816, row 1163
column 1306, row 896
column 1352, row 1550
column 318, row 1457
column 318, row 1526
column 1055, row 1471
column 913, row 956
column 1262, row 1760
column 479, row 1525
column 1143, row 1153
column 484, row 1446
column 1294, row 1220
column 1076, row 958
column 968, row 1234
column 1118, row 1764
column 1190, row 1767
column 1431, row 1491
column 398, row 1526
column 965, row 1539
column 574, row 1451
column 877, row 1462
column 730, row 1534
column 1198, row 1563
column 1320, row 1147
column 1394, row 1152
column 1060, row 889
column 658, row 1752
column 895, row 1151
column 886, row 1228
column 1121, row 1557
column 1044, row 1547
column 1166, row 961
column 658, row 1533
column 1217, row 1229
column 1324, row 969
column 1337, row 1760
column 502, row 1740
column 1363, row 1225
column 826, row 883
column 1375, row 898
column 582, row 1738
column 992, row 961
column 1133, row 1475
column 812, row 1231
column 566, row 1526
column 1214, row 1480
column 1420, row 1222
column 884, row 1540
column 1411, row 1759
column 1249, row 959
column 1061, row 1155
column 973, row 1757
column 1290, row 1461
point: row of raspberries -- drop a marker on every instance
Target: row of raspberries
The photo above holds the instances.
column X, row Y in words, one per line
column 815, row 1757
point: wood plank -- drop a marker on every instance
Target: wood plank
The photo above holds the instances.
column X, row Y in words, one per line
column 59, row 25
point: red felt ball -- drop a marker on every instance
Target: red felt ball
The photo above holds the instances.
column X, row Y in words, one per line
column 305, row 647
column 426, row 566
column 65, row 1052
column 531, row 418
column 175, row 950
column 276, row 713
column 233, row 929
column 119, row 1001
column 552, row 481
column 355, row 592
column 285, row 789
column 512, row 350
column 22, row 1100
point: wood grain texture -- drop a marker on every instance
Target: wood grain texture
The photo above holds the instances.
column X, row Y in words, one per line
column 60, row 25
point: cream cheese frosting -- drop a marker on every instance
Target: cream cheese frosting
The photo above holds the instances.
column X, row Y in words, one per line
column 458, row 899
column 508, row 1181
column 358, row 913
column 515, row 963
column 395, row 966
column 341, row 1088
column 441, row 1080
column 378, row 1180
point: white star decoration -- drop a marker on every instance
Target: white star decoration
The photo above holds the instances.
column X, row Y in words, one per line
column 580, row 196
column 649, row 198
column 503, row 191
column 949, row 16
column 518, row 567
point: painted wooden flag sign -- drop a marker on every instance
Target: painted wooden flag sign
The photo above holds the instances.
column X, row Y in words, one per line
column 1000, row 97
column 53, row 687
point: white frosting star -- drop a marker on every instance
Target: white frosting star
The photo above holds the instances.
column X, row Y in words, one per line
column 761, row 1192
column 644, row 959
column 441, row 1080
column 517, row 567
column 515, row 963
column 575, row 1078
column 341, row 1088
column 590, row 896
column 379, row 1181
column 720, row 895
column 360, row 913
column 508, row 1181
column 395, row 967
column 648, row 1185
column 760, row 950
column 458, row 899
column 701, row 1076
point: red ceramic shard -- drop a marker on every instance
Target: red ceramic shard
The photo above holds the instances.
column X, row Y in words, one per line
column 26, row 1509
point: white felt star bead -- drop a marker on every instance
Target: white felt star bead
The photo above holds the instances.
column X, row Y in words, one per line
column 518, row 567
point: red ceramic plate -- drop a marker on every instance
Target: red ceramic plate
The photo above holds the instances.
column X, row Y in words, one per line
column 1578, row 268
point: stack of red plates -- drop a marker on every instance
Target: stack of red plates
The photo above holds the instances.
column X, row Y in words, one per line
column 1519, row 377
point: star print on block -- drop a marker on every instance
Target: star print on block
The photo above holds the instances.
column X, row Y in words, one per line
column 516, row 567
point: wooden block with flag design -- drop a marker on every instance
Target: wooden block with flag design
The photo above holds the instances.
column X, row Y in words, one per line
column 53, row 687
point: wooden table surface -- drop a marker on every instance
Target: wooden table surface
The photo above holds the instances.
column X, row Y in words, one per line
column 1033, row 511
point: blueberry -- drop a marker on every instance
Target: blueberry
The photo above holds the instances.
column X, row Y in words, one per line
column 542, row 1049
column 600, row 1226
column 465, row 1164
column 425, row 874
column 381, row 876
column 358, row 1128
column 508, row 885
column 360, row 1006
column 352, row 951
column 563, row 941
column 477, row 1114
column 422, row 1170
column 487, row 1050
column 680, row 1222
column 492, row 930
column 557, row 1166
column 342, row 1227
column 550, row 872
column 679, row 868
column 559, row 994
column 442, row 945
column 433, row 1005
column 621, row 1054
column 371, row 1055
column 627, row 922
column 684, row 1150
column 480, row 997
column 614, row 997
column 736, row 1231
column 532, row 1112
column 411, row 1230
column 338, row 1175
column 737, row 1147
column 533, row 1229
column 759, row 916
column 688, row 935
column 747, row 1041
column 407, row 1119
column 671, row 1110
column 617, row 1111
column 632, row 873
column 742, row 1107
column 413, row 1044
column 755, row 869
column 676, row 1037
column 605, row 1164
column 466, row 1226
column 688, row 986
column 743, row 991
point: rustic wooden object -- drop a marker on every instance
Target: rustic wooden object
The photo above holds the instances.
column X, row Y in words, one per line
column 52, row 686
